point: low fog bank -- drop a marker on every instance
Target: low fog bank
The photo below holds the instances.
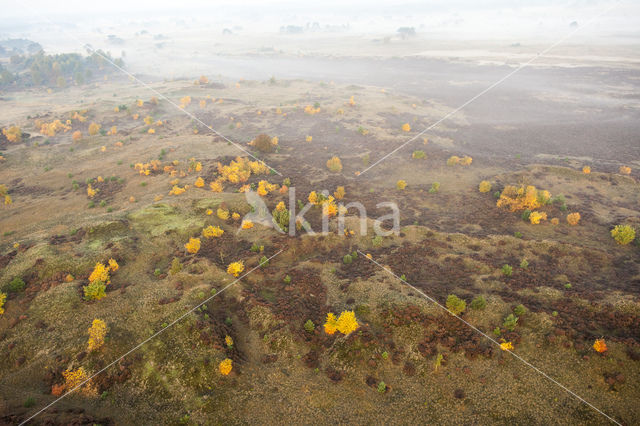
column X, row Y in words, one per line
column 397, row 28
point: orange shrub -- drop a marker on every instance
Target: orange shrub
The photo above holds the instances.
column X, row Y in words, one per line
column 573, row 218
column 600, row 346
column 334, row 164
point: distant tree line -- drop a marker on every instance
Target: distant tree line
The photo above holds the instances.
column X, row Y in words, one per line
column 59, row 70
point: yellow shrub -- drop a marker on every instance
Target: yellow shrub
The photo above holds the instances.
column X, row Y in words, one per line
column 212, row 231
column 235, row 268
column 623, row 234
column 453, row 160
column 625, row 170
column 521, row 198
column 185, row 101
column 193, row 246
column 485, row 186
column 75, row 378
column 339, row 193
column 3, row 298
column 573, row 218
column 586, row 170
column 97, row 332
column 113, row 265
column 506, row 346
column 346, row 323
column 555, row 221
column 94, row 128
column 401, row 184
column 309, row 138
column 222, row 213
column 199, row 182
column 536, row 217
column 225, row 367
column 216, row 186
column 176, row 190
column 77, row 135
column 406, row 127
column 329, row 207
column 247, row 224
column 330, row 326
column 12, row 133
column 313, row 197
column 100, row 273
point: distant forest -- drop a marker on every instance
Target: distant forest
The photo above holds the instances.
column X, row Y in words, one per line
column 25, row 64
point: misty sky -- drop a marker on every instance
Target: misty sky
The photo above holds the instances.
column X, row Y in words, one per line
column 451, row 19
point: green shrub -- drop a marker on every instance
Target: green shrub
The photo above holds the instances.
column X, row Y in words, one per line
column 526, row 214
column 517, row 234
column 435, row 187
column 519, row 310
column 264, row 262
column 524, row 264
column 418, row 155
column 287, row 279
column 309, row 326
column 16, row 285
column 347, row 259
column 456, row 305
column 478, row 303
column 382, row 387
column 94, row 291
column 281, row 217
column 176, row 266
column 377, row 240
column 507, row 270
column 510, row 322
